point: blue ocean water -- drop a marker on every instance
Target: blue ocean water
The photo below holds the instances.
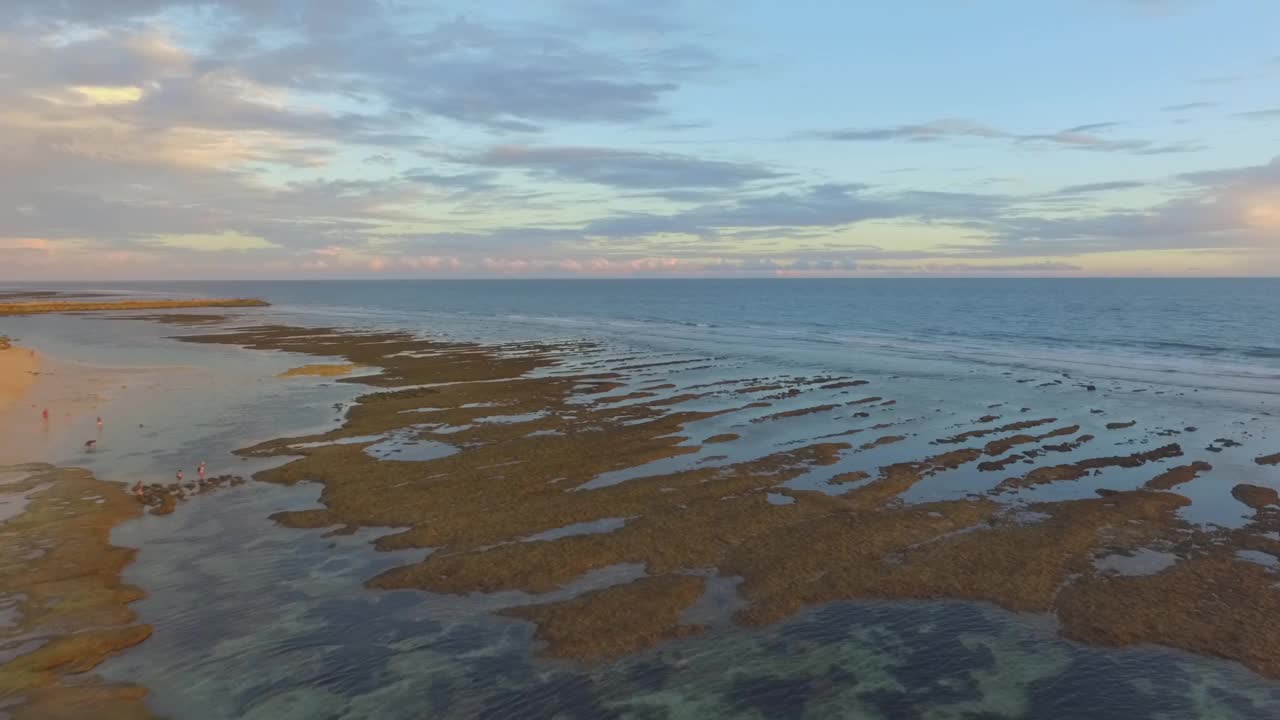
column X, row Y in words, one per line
column 254, row 620
column 1220, row 326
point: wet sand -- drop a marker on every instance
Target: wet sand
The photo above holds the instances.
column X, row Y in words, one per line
column 71, row 392
column 18, row 369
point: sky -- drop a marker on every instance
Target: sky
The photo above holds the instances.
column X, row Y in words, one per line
column 262, row 139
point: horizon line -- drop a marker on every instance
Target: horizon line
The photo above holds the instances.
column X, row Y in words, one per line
column 624, row 278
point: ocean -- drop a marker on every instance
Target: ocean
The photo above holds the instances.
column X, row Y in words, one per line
column 254, row 620
column 1221, row 328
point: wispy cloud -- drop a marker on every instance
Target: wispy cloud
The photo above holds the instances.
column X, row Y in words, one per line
column 1271, row 114
column 619, row 168
column 1080, row 137
column 1100, row 187
column 1183, row 107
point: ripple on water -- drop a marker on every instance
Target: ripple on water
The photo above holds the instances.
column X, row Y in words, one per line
column 258, row 621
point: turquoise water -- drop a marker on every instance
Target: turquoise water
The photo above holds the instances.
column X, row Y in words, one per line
column 258, row 621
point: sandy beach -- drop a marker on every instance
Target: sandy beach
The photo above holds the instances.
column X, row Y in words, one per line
column 18, row 368
column 71, row 392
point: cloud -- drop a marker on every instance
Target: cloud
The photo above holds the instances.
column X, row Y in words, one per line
column 1189, row 106
column 1100, row 187
column 112, row 130
column 821, row 206
column 1092, row 127
column 219, row 242
column 1232, row 208
column 459, row 182
column 1045, row 266
column 824, row 205
column 618, row 168
column 153, row 85
column 936, row 268
column 927, row 132
column 1272, row 114
column 277, row 136
column 1260, row 176
column 513, row 75
column 1080, row 137
column 503, row 76
column 651, row 265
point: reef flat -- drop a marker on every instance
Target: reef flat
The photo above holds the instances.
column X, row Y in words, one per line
column 506, row 461
column 63, row 607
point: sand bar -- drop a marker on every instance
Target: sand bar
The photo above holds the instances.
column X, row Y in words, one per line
column 34, row 308
column 321, row 370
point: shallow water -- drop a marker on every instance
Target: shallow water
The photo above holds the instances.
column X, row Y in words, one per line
column 258, row 621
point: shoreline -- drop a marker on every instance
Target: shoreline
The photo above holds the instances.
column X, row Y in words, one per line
column 19, row 369
column 71, row 392
column 66, row 607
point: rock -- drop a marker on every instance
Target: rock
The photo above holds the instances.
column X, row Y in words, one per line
column 1255, row 496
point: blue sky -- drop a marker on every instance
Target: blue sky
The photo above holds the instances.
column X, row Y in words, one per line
column 281, row 138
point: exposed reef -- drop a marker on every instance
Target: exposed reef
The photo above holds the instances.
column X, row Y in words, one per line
column 60, row 575
column 163, row 498
column 321, row 370
column 576, row 456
